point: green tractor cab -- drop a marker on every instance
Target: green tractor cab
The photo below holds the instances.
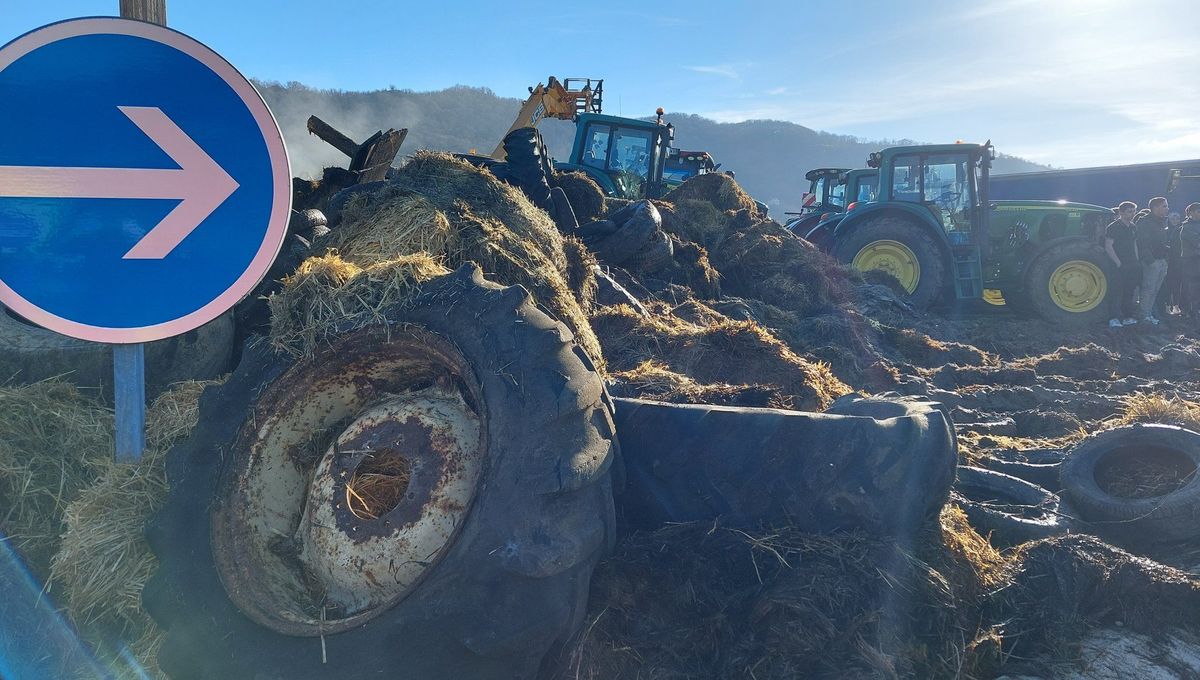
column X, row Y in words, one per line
column 857, row 187
column 932, row 227
column 627, row 157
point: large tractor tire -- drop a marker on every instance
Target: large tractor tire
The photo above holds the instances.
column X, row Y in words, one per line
column 529, row 164
column 880, row 468
column 901, row 248
column 1069, row 283
column 425, row 499
column 30, row 353
column 1139, row 483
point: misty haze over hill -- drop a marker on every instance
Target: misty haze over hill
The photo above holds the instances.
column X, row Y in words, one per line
column 770, row 157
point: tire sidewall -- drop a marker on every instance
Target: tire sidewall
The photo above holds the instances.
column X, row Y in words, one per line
column 932, row 285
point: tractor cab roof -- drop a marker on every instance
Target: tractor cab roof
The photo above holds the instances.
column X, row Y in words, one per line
column 814, row 175
column 875, row 160
column 619, row 120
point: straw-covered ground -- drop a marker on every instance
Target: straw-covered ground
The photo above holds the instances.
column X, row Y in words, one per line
column 745, row 315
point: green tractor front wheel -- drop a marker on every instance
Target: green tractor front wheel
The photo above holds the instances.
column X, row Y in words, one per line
column 898, row 247
column 1070, row 283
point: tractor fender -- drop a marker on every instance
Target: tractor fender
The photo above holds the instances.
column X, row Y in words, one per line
column 910, row 211
column 605, row 182
column 821, row 233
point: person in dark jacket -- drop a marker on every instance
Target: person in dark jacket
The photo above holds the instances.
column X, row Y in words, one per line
column 1189, row 261
column 1121, row 246
column 1151, row 234
column 1170, row 296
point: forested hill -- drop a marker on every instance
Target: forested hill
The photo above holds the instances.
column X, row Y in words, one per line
column 770, row 157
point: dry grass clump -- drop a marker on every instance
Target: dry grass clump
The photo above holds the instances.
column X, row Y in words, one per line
column 586, row 197
column 327, row 294
column 717, row 188
column 653, row 380
column 1142, row 407
column 767, row 262
column 378, row 485
column 922, row 350
column 1088, row 362
column 700, row 600
column 724, row 351
column 443, row 208
column 53, row 443
column 581, row 272
column 103, row 562
column 694, row 220
column 692, row 268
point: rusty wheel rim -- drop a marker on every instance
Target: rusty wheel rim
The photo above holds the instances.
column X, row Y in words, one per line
column 349, row 481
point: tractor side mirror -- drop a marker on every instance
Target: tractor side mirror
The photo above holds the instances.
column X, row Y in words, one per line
column 1173, row 179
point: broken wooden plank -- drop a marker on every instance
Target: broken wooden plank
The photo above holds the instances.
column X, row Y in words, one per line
column 331, row 136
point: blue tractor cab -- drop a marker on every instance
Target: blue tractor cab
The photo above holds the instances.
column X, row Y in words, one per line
column 627, row 157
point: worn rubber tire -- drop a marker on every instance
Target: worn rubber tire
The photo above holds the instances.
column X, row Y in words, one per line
column 750, row 466
column 29, row 353
column 562, row 212
column 529, row 165
column 1171, row 517
column 305, row 221
column 933, row 281
column 1037, row 277
column 984, row 495
column 658, row 253
column 632, row 236
column 509, row 585
column 593, row 233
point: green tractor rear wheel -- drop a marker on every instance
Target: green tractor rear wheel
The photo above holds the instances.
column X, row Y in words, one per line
column 1069, row 283
column 898, row 247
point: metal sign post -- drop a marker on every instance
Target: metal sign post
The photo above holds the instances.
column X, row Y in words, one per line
column 129, row 361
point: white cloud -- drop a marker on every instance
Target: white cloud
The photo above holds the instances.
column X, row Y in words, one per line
column 725, row 70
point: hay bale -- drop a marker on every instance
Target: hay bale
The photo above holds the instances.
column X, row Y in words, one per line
column 586, row 197
column 441, row 207
column 718, row 188
column 724, row 351
column 103, row 562
column 327, row 295
column 53, row 442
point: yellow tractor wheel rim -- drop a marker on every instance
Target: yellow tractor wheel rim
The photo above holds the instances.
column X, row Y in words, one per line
column 892, row 257
column 993, row 297
column 1078, row 286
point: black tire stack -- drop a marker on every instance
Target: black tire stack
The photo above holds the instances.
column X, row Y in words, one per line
column 631, row 238
column 529, row 168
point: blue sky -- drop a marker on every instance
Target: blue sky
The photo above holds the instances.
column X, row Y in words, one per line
column 1068, row 82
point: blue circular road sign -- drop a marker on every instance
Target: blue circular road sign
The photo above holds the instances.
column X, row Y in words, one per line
column 144, row 184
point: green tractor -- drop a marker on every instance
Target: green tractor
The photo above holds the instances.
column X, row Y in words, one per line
column 933, row 228
column 859, row 187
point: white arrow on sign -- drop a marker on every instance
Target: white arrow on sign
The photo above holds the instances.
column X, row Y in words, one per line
column 200, row 184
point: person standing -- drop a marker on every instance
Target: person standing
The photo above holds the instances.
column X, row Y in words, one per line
column 1189, row 261
column 1151, row 234
column 1121, row 246
column 1171, row 293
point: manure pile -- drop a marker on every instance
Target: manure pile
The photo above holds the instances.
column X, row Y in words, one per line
column 744, row 314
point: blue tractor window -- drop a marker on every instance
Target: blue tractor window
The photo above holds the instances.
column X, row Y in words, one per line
column 631, row 151
column 595, row 146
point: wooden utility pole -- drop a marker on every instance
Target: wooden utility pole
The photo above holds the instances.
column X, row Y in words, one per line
column 129, row 361
column 154, row 11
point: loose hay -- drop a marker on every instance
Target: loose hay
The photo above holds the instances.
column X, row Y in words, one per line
column 699, row 600
column 718, row 188
column 103, row 562
column 327, row 294
column 653, row 380
column 53, row 443
column 724, row 351
column 443, row 209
